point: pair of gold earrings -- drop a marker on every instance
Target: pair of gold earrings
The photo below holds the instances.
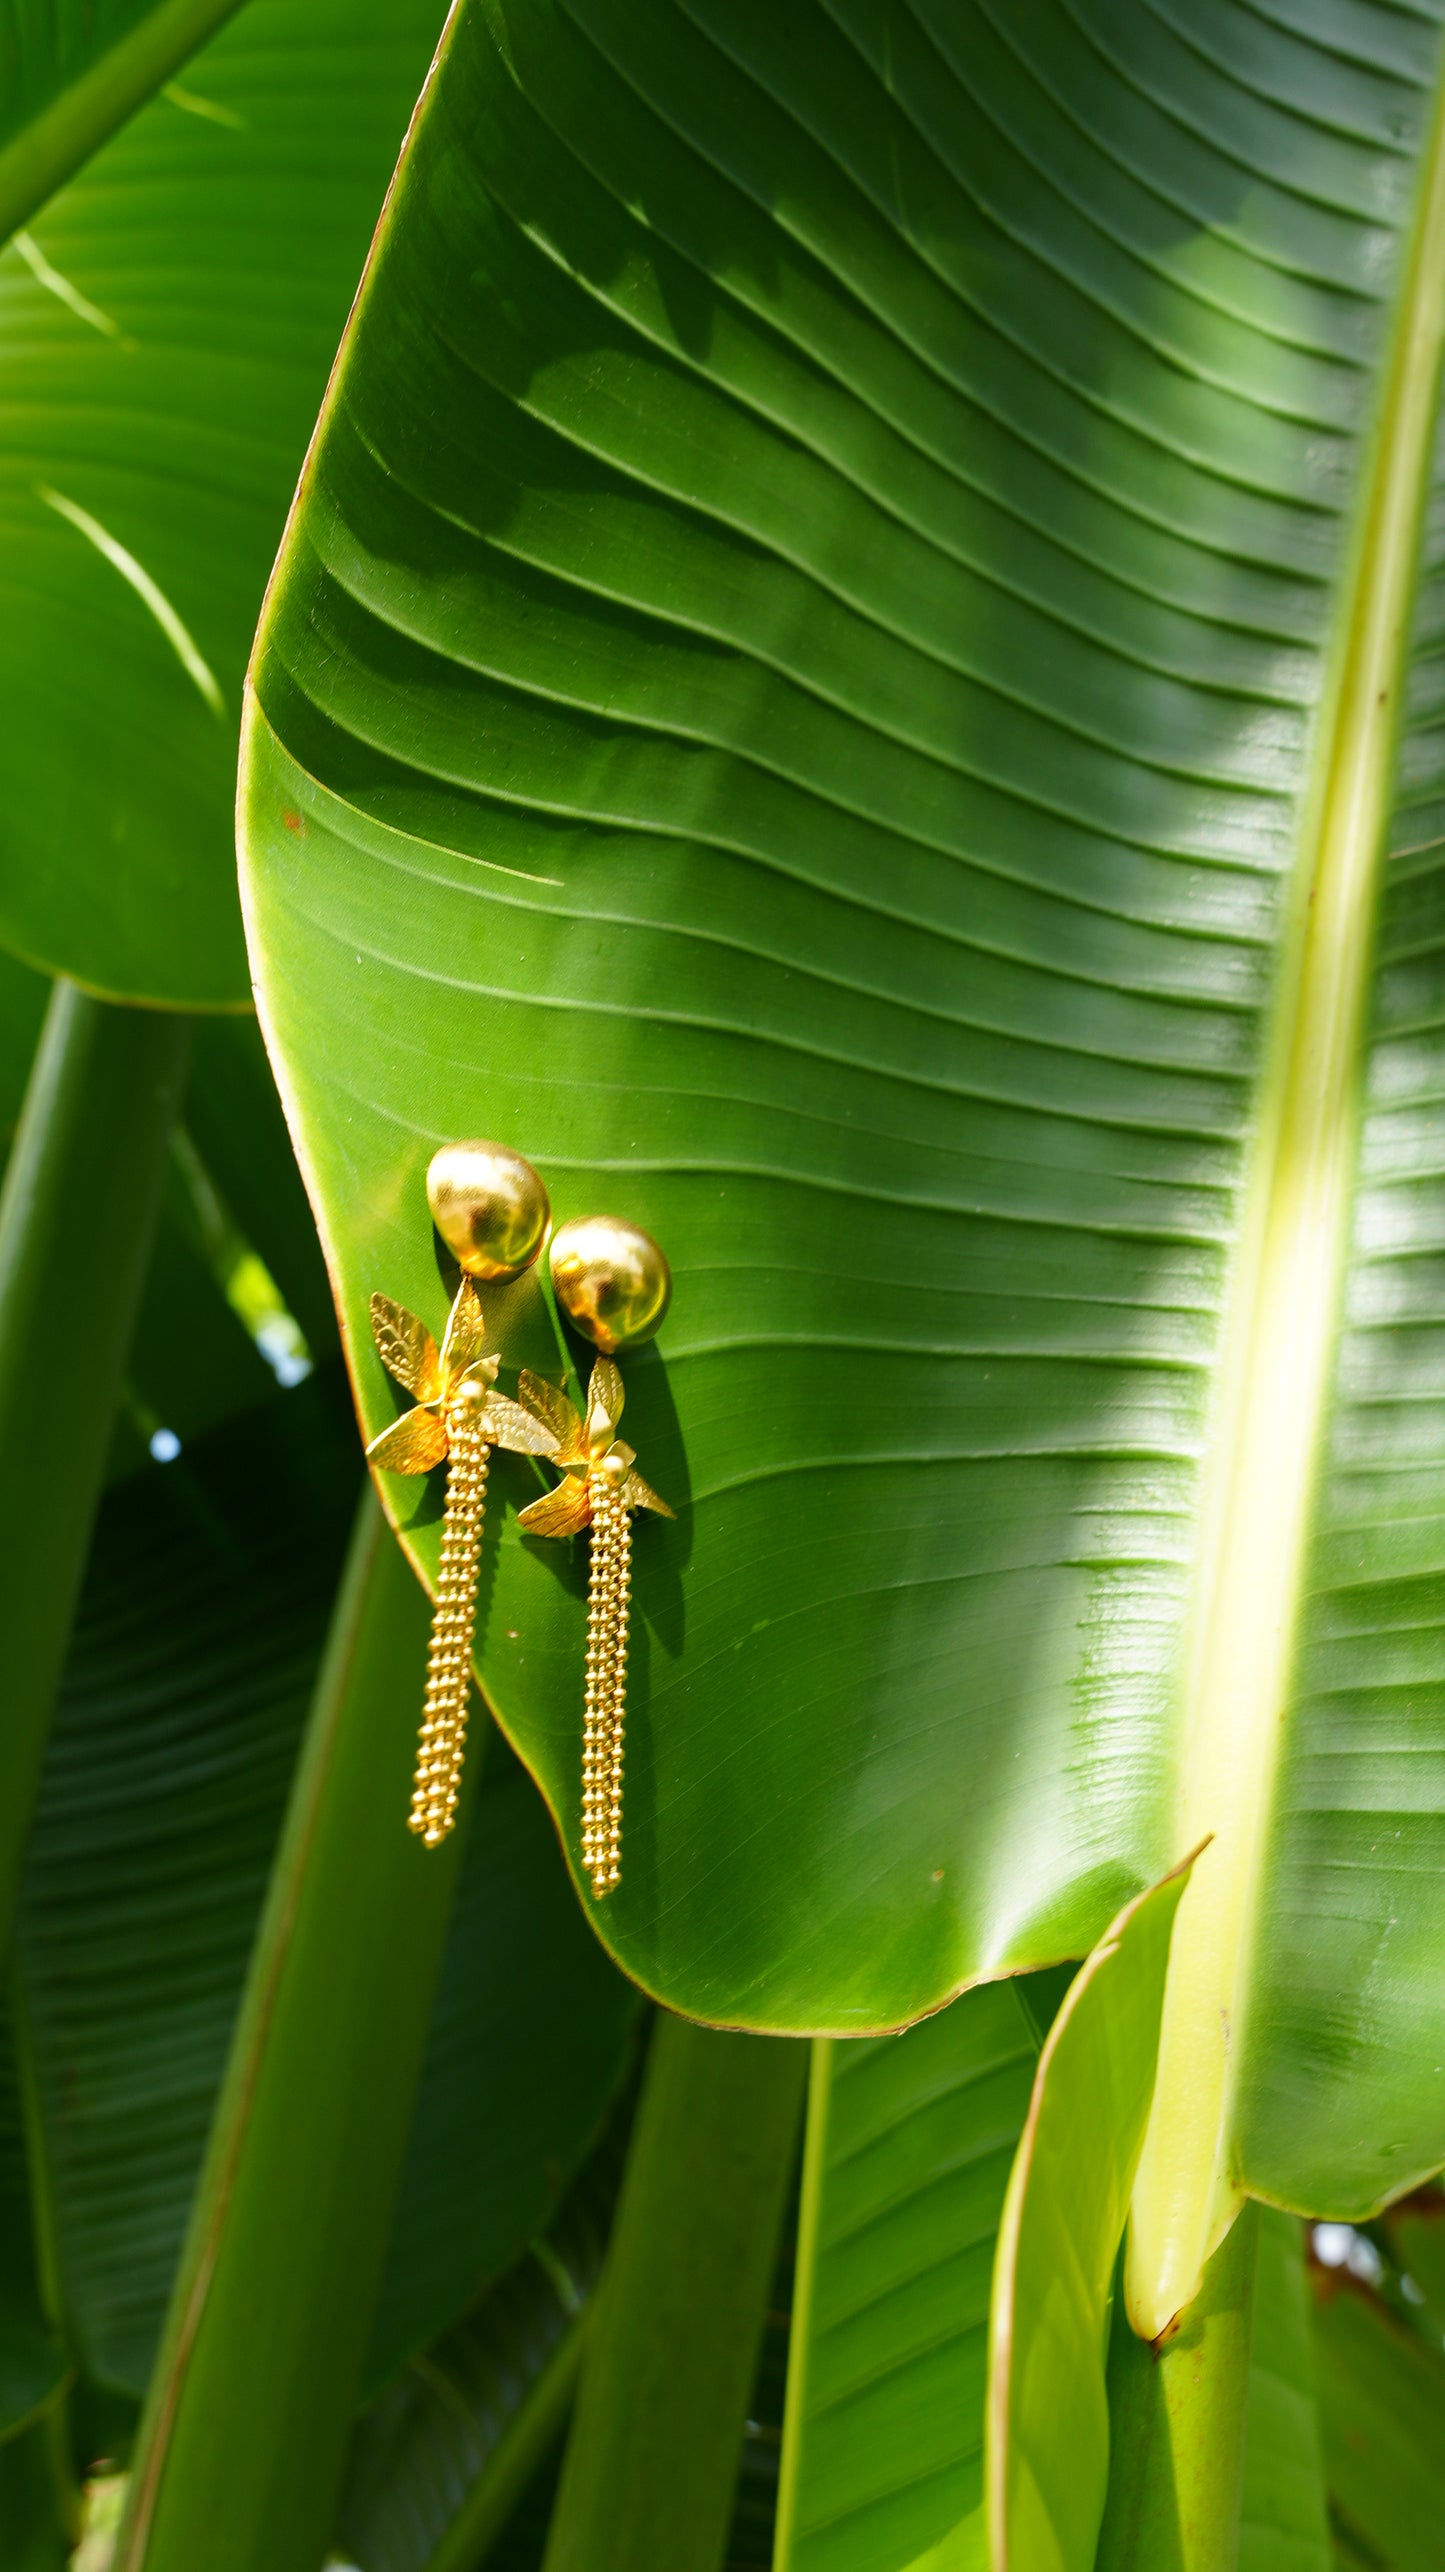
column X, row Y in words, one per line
column 613, row 1283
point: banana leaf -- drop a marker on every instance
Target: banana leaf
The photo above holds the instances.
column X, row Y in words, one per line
column 1050, row 2436
column 849, row 676
column 439, row 2459
column 190, row 1673
column 908, row 2162
column 165, row 333
column 1381, row 2391
column 910, row 2144
column 70, row 73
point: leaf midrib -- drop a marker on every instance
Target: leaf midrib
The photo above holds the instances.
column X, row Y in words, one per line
column 1281, row 1332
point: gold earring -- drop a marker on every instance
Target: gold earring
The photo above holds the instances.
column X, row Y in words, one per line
column 491, row 1210
column 613, row 1282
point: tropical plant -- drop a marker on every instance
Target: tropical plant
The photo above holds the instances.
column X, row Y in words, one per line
column 853, row 671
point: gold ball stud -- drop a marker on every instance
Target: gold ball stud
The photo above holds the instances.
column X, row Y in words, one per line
column 612, row 1281
column 489, row 1206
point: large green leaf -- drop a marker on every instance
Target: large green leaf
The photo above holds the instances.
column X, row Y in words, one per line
column 909, row 2147
column 1047, row 2424
column 199, row 1632
column 1382, row 2392
column 164, row 340
column 910, row 2143
column 834, row 681
column 71, row 71
column 439, row 2460
column 528, row 2042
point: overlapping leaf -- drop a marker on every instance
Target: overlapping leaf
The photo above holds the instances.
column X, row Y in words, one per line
column 910, row 2143
column 794, row 693
column 1047, row 2443
column 165, row 332
column 1381, row 2389
column 439, row 2460
column 173, row 1746
column 70, row 72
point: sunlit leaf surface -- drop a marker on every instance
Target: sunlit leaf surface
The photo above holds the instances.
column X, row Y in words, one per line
column 793, row 695
column 1047, row 2432
column 910, row 2143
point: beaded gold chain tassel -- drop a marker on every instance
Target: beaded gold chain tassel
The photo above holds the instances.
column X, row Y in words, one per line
column 491, row 1210
column 613, row 1283
column 606, row 1684
column 442, row 1746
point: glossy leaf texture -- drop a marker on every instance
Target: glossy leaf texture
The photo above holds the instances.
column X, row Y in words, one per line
column 909, row 2153
column 799, row 694
column 1047, row 2422
column 910, row 2144
column 165, row 332
column 168, row 1770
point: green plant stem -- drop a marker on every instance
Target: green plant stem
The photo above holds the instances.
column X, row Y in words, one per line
column 673, row 2340
column 77, row 1215
column 46, row 151
column 242, row 2444
column 1177, row 2425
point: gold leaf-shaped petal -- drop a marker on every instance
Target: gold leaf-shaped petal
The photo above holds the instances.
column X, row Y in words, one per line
column 637, row 1494
column 606, row 1392
column 548, row 1405
column 406, row 1348
column 466, row 1337
column 483, row 1370
column 508, row 1425
column 562, row 1512
column 412, row 1445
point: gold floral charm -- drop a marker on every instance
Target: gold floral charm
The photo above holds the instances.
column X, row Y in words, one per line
column 600, row 1488
column 459, row 1416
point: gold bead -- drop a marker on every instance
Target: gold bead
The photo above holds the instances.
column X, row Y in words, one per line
column 489, row 1206
column 612, row 1281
